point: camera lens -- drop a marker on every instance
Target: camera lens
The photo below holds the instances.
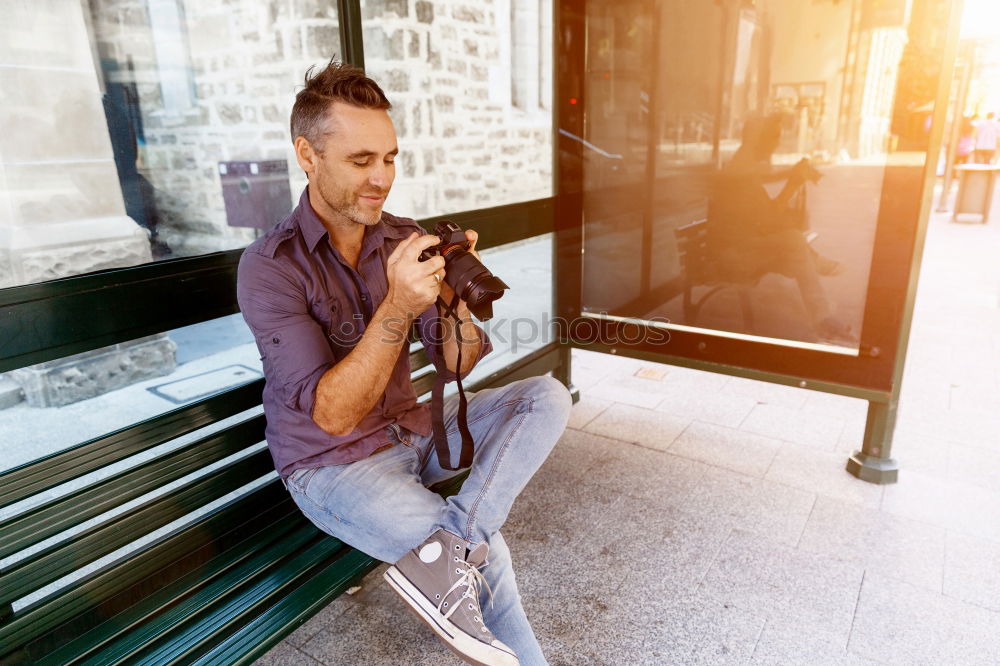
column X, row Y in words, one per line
column 473, row 282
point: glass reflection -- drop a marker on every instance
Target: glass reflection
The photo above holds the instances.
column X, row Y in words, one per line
column 752, row 157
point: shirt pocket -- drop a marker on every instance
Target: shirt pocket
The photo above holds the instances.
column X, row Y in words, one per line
column 341, row 325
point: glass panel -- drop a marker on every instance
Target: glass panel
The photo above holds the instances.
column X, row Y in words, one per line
column 471, row 88
column 72, row 400
column 735, row 187
column 68, row 401
column 522, row 321
column 134, row 130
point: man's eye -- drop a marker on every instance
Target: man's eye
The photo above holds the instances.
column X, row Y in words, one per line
column 360, row 164
column 390, row 161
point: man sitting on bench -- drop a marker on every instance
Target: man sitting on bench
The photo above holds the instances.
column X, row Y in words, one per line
column 331, row 293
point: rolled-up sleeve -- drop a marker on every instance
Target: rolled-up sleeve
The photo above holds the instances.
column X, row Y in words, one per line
column 293, row 345
column 429, row 327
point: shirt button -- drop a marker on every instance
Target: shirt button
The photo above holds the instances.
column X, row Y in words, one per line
column 364, row 297
column 275, row 340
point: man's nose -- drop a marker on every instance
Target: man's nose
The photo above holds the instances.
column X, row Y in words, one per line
column 380, row 176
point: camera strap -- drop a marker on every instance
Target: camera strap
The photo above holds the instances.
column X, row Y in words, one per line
column 437, row 397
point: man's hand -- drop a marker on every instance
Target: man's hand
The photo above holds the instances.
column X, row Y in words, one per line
column 470, row 344
column 414, row 285
column 447, row 293
column 804, row 171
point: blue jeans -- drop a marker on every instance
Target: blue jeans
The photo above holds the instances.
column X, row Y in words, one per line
column 381, row 505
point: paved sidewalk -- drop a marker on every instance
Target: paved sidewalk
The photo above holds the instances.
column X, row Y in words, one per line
column 704, row 519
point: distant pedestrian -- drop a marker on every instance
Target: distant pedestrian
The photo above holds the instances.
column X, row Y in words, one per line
column 987, row 133
column 966, row 141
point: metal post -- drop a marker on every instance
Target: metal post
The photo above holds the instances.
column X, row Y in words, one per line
column 564, row 371
column 848, row 78
column 721, row 97
column 873, row 463
column 966, row 61
column 351, row 42
column 652, row 156
column 568, row 81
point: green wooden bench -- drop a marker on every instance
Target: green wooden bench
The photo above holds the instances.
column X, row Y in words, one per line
column 221, row 587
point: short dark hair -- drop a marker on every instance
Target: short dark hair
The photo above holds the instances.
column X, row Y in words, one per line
column 337, row 82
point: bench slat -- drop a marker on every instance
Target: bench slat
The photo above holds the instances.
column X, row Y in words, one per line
column 129, row 632
column 40, row 475
column 65, row 557
column 105, row 593
column 268, row 628
column 418, row 359
column 215, row 621
column 63, row 512
column 424, row 383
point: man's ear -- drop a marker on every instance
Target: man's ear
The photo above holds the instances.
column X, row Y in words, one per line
column 305, row 155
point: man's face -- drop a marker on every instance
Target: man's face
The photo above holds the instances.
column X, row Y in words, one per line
column 353, row 167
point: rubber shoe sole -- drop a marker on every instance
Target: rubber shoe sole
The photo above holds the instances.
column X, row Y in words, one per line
column 471, row 649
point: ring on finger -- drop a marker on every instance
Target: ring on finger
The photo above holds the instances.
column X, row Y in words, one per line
column 437, row 276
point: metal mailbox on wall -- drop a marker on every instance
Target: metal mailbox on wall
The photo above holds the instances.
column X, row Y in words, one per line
column 257, row 194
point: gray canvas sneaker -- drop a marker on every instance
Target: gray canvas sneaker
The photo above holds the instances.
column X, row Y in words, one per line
column 440, row 582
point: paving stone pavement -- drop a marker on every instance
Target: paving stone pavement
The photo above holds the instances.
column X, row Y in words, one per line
column 703, row 519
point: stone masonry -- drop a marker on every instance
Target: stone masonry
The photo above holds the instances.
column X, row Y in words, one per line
column 447, row 68
column 67, row 380
column 216, row 80
column 445, row 65
column 61, row 207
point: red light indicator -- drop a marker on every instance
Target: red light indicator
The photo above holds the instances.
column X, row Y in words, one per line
column 572, row 100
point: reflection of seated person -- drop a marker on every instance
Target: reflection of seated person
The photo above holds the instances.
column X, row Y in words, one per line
column 121, row 108
column 751, row 233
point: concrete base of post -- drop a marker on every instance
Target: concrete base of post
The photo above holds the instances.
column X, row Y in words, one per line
column 872, row 469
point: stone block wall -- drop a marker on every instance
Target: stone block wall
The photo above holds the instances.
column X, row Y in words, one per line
column 61, row 206
column 68, row 380
column 243, row 61
column 445, row 65
column 447, row 68
column 62, row 211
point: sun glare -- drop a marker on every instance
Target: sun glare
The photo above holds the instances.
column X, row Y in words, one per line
column 981, row 19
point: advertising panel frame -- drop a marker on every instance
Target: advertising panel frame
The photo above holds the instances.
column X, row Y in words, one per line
column 874, row 373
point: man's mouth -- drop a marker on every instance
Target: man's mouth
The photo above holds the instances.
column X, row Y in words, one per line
column 373, row 198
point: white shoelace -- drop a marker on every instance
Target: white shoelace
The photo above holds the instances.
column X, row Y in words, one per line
column 473, row 580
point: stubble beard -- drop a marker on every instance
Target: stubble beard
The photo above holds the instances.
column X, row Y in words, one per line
column 345, row 203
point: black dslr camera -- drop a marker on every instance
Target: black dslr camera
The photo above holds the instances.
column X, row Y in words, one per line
column 466, row 275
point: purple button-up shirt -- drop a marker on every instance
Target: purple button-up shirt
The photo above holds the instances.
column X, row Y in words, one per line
column 307, row 308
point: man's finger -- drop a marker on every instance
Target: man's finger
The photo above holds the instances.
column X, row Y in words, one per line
column 434, row 264
column 472, row 237
column 396, row 253
column 418, row 245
